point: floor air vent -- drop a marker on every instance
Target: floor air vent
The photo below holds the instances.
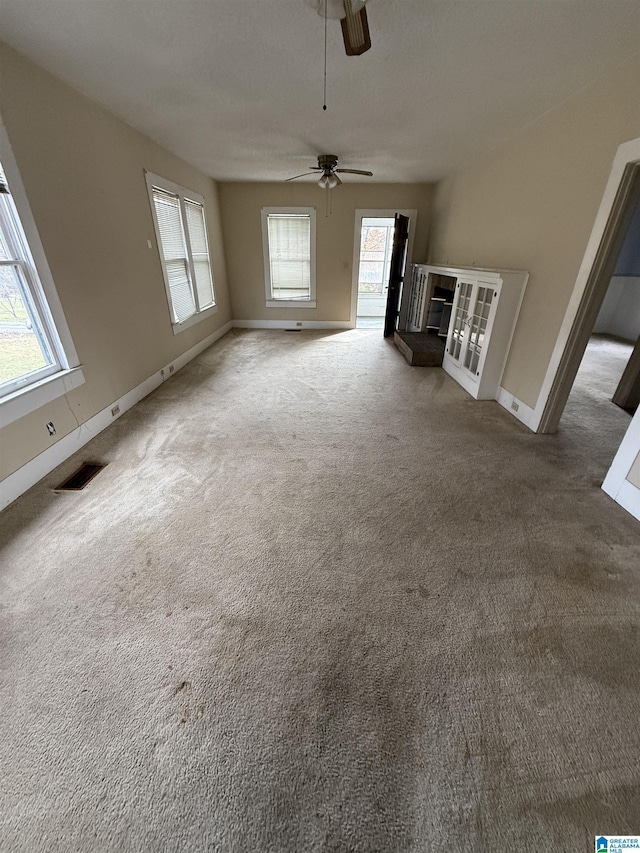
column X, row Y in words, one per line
column 76, row 482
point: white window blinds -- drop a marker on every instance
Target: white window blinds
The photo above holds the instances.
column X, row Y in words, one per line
column 290, row 255
column 174, row 252
column 199, row 252
column 181, row 231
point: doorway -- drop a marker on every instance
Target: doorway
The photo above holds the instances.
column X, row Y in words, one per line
column 376, row 244
column 609, row 358
column 600, row 407
column 598, row 267
column 608, row 236
column 372, row 250
column 592, row 424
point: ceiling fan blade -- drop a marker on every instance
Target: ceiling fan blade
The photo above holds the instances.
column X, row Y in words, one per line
column 355, row 30
column 355, row 172
column 295, row 177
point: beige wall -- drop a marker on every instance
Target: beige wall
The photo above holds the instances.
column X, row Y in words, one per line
column 531, row 204
column 83, row 172
column 241, row 204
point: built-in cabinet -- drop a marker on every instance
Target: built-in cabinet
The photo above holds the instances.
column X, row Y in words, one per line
column 430, row 300
column 476, row 311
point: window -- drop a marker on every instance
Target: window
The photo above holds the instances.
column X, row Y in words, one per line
column 181, row 231
column 34, row 366
column 289, row 242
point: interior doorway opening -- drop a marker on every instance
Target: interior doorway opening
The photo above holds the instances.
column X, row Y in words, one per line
column 622, row 481
column 603, row 249
column 374, row 262
column 592, row 423
column 606, row 390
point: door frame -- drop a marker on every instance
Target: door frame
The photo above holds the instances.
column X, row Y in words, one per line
column 380, row 213
column 591, row 285
column 588, row 294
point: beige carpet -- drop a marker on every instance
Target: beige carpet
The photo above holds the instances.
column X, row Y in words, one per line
column 320, row 600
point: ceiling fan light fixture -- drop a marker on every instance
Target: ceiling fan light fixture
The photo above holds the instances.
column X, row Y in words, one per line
column 328, row 182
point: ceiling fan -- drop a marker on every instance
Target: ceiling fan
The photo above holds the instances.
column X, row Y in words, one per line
column 353, row 19
column 328, row 165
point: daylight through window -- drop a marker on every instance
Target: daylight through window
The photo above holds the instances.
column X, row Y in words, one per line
column 181, row 231
column 29, row 346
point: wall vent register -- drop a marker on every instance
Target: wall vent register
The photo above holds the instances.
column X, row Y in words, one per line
column 81, row 478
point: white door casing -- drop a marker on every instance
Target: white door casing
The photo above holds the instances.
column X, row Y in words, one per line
column 386, row 213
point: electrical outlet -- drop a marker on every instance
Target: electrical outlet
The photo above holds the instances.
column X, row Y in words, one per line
column 514, row 406
column 170, row 368
column 115, row 410
column 51, row 428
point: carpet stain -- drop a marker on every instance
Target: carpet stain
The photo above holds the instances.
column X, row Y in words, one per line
column 604, row 807
column 420, row 590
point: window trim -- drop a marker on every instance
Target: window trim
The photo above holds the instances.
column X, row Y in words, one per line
column 183, row 193
column 271, row 302
column 33, row 299
column 29, row 396
column 22, row 402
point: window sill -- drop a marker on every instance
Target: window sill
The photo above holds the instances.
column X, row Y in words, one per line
column 196, row 318
column 291, row 303
column 20, row 403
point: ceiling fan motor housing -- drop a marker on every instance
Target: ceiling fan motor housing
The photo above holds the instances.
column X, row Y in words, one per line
column 328, row 161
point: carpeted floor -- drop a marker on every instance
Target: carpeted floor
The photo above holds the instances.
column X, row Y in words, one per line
column 320, row 600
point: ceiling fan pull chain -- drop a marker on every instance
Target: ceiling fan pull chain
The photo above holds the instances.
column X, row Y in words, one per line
column 324, row 104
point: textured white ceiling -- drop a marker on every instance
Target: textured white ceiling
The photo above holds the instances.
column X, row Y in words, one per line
column 235, row 86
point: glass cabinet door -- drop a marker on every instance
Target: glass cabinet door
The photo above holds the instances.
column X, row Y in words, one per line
column 416, row 299
column 477, row 321
column 460, row 321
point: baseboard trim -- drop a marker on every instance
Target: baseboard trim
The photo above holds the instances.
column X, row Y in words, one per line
column 32, row 472
column 292, row 324
column 525, row 414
